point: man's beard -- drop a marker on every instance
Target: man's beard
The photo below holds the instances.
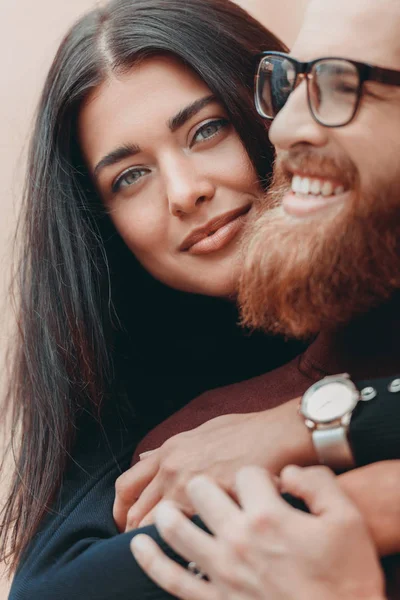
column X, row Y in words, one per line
column 301, row 276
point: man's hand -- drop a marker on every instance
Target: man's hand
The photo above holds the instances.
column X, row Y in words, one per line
column 218, row 448
column 375, row 490
column 266, row 549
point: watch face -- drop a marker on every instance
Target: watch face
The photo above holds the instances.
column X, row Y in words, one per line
column 329, row 402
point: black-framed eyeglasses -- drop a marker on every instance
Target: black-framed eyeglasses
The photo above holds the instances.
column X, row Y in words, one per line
column 334, row 85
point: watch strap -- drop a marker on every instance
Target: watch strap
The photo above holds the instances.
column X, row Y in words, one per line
column 333, row 448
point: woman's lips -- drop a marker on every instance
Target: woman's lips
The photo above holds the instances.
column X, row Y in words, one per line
column 220, row 238
column 208, row 230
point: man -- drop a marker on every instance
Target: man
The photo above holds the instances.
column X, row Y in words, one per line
column 305, row 274
column 327, row 253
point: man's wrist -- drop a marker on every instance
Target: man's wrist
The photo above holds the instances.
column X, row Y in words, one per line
column 295, row 442
column 301, row 448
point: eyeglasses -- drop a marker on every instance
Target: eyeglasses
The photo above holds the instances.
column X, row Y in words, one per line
column 334, row 85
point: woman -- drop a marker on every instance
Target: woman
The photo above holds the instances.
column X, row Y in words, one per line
column 140, row 178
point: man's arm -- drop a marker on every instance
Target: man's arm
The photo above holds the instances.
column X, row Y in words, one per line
column 270, row 439
column 375, row 489
column 375, row 427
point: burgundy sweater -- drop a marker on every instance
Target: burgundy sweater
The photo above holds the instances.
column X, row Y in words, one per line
column 367, row 349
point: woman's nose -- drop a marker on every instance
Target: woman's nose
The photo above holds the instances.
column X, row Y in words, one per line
column 187, row 190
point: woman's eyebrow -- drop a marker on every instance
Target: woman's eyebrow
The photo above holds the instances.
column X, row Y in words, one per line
column 115, row 157
column 129, row 150
column 189, row 111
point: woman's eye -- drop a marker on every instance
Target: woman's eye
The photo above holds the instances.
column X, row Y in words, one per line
column 209, row 130
column 127, row 179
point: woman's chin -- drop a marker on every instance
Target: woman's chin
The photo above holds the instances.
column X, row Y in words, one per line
column 216, row 287
column 215, row 278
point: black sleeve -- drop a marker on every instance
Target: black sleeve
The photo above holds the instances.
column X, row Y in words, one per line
column 78, row 553
column 375, row 426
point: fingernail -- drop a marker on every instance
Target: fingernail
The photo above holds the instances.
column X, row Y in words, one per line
column 139, row 544
column 165, row 514
column 291, row 469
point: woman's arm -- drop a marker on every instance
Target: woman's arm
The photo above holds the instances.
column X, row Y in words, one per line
column 82, row 556
column 78, row 553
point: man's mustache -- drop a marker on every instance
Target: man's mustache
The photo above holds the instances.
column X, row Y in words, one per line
column 315, row 163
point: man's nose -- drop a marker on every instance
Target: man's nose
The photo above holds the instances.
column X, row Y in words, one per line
column 187, row 188
column 295, row 124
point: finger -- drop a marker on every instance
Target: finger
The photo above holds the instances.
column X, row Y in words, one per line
column 149, row 498
column 130, row 485
column 317, row 486
column 257, row 491
column 167, row 574
column 149, row 519
column 188, row 540
column 213, row 504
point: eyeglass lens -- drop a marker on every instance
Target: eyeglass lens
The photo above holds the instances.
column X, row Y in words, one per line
column 333, row 88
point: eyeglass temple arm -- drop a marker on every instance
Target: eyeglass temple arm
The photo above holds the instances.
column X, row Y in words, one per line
column 380, row 75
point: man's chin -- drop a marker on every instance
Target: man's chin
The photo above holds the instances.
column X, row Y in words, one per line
column 301, row 275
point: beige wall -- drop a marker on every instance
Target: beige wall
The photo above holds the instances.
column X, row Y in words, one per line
column 283, row 17
column 29, row 34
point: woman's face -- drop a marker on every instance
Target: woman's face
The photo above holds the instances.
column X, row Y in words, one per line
column 172, row 172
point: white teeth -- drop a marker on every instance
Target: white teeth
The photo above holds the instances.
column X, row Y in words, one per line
column 315, row 187
column 296, row 184
column 327, row 189
column 305, row 186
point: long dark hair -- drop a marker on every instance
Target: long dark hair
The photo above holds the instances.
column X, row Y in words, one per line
column 64, row 361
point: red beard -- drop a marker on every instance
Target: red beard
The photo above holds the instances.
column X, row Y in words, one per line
column 300, row 276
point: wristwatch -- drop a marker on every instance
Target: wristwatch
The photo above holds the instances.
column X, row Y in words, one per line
column 327, row 408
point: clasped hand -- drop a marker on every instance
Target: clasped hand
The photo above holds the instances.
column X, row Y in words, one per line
column 264, row 549
column 218, row 448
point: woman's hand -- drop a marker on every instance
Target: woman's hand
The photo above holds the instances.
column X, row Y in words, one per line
column 266, row 550
column 218, row 448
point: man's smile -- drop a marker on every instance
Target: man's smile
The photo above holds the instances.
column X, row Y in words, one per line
column 311, row 193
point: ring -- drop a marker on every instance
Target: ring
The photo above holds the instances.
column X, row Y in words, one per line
column 198, row 573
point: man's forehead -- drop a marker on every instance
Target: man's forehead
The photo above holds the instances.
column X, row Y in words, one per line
column 364, row 30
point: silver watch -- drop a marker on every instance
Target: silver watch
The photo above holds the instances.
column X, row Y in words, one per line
column 327, row 408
